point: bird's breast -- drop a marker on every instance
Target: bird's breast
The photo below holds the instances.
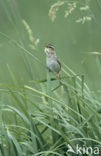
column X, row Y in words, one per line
column 53, row 65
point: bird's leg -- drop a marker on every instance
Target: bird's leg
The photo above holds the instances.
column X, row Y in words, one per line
column 60, row 83
column 58, row 76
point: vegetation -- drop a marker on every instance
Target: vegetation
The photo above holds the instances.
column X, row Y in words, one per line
column 40, row 116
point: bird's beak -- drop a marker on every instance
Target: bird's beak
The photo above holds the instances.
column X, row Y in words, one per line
column 46, row 51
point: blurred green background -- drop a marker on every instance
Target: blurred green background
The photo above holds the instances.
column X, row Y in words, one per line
column 72, row 40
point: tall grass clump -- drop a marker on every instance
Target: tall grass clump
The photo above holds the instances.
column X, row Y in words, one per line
column 44, row 121
column 41, row 117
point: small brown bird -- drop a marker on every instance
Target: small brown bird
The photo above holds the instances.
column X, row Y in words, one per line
column 52, row 62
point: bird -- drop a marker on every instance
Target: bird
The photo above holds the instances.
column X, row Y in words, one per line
column 52, row 62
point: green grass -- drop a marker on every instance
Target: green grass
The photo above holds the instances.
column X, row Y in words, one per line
column 43, row 122
column 43, row 116
column 40, row 117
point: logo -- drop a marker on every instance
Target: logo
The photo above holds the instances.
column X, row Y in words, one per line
column 83, row 150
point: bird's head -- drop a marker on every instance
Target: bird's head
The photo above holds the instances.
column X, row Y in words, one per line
column 49, row 50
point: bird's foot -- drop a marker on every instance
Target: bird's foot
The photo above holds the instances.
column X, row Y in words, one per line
column 58, row 75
